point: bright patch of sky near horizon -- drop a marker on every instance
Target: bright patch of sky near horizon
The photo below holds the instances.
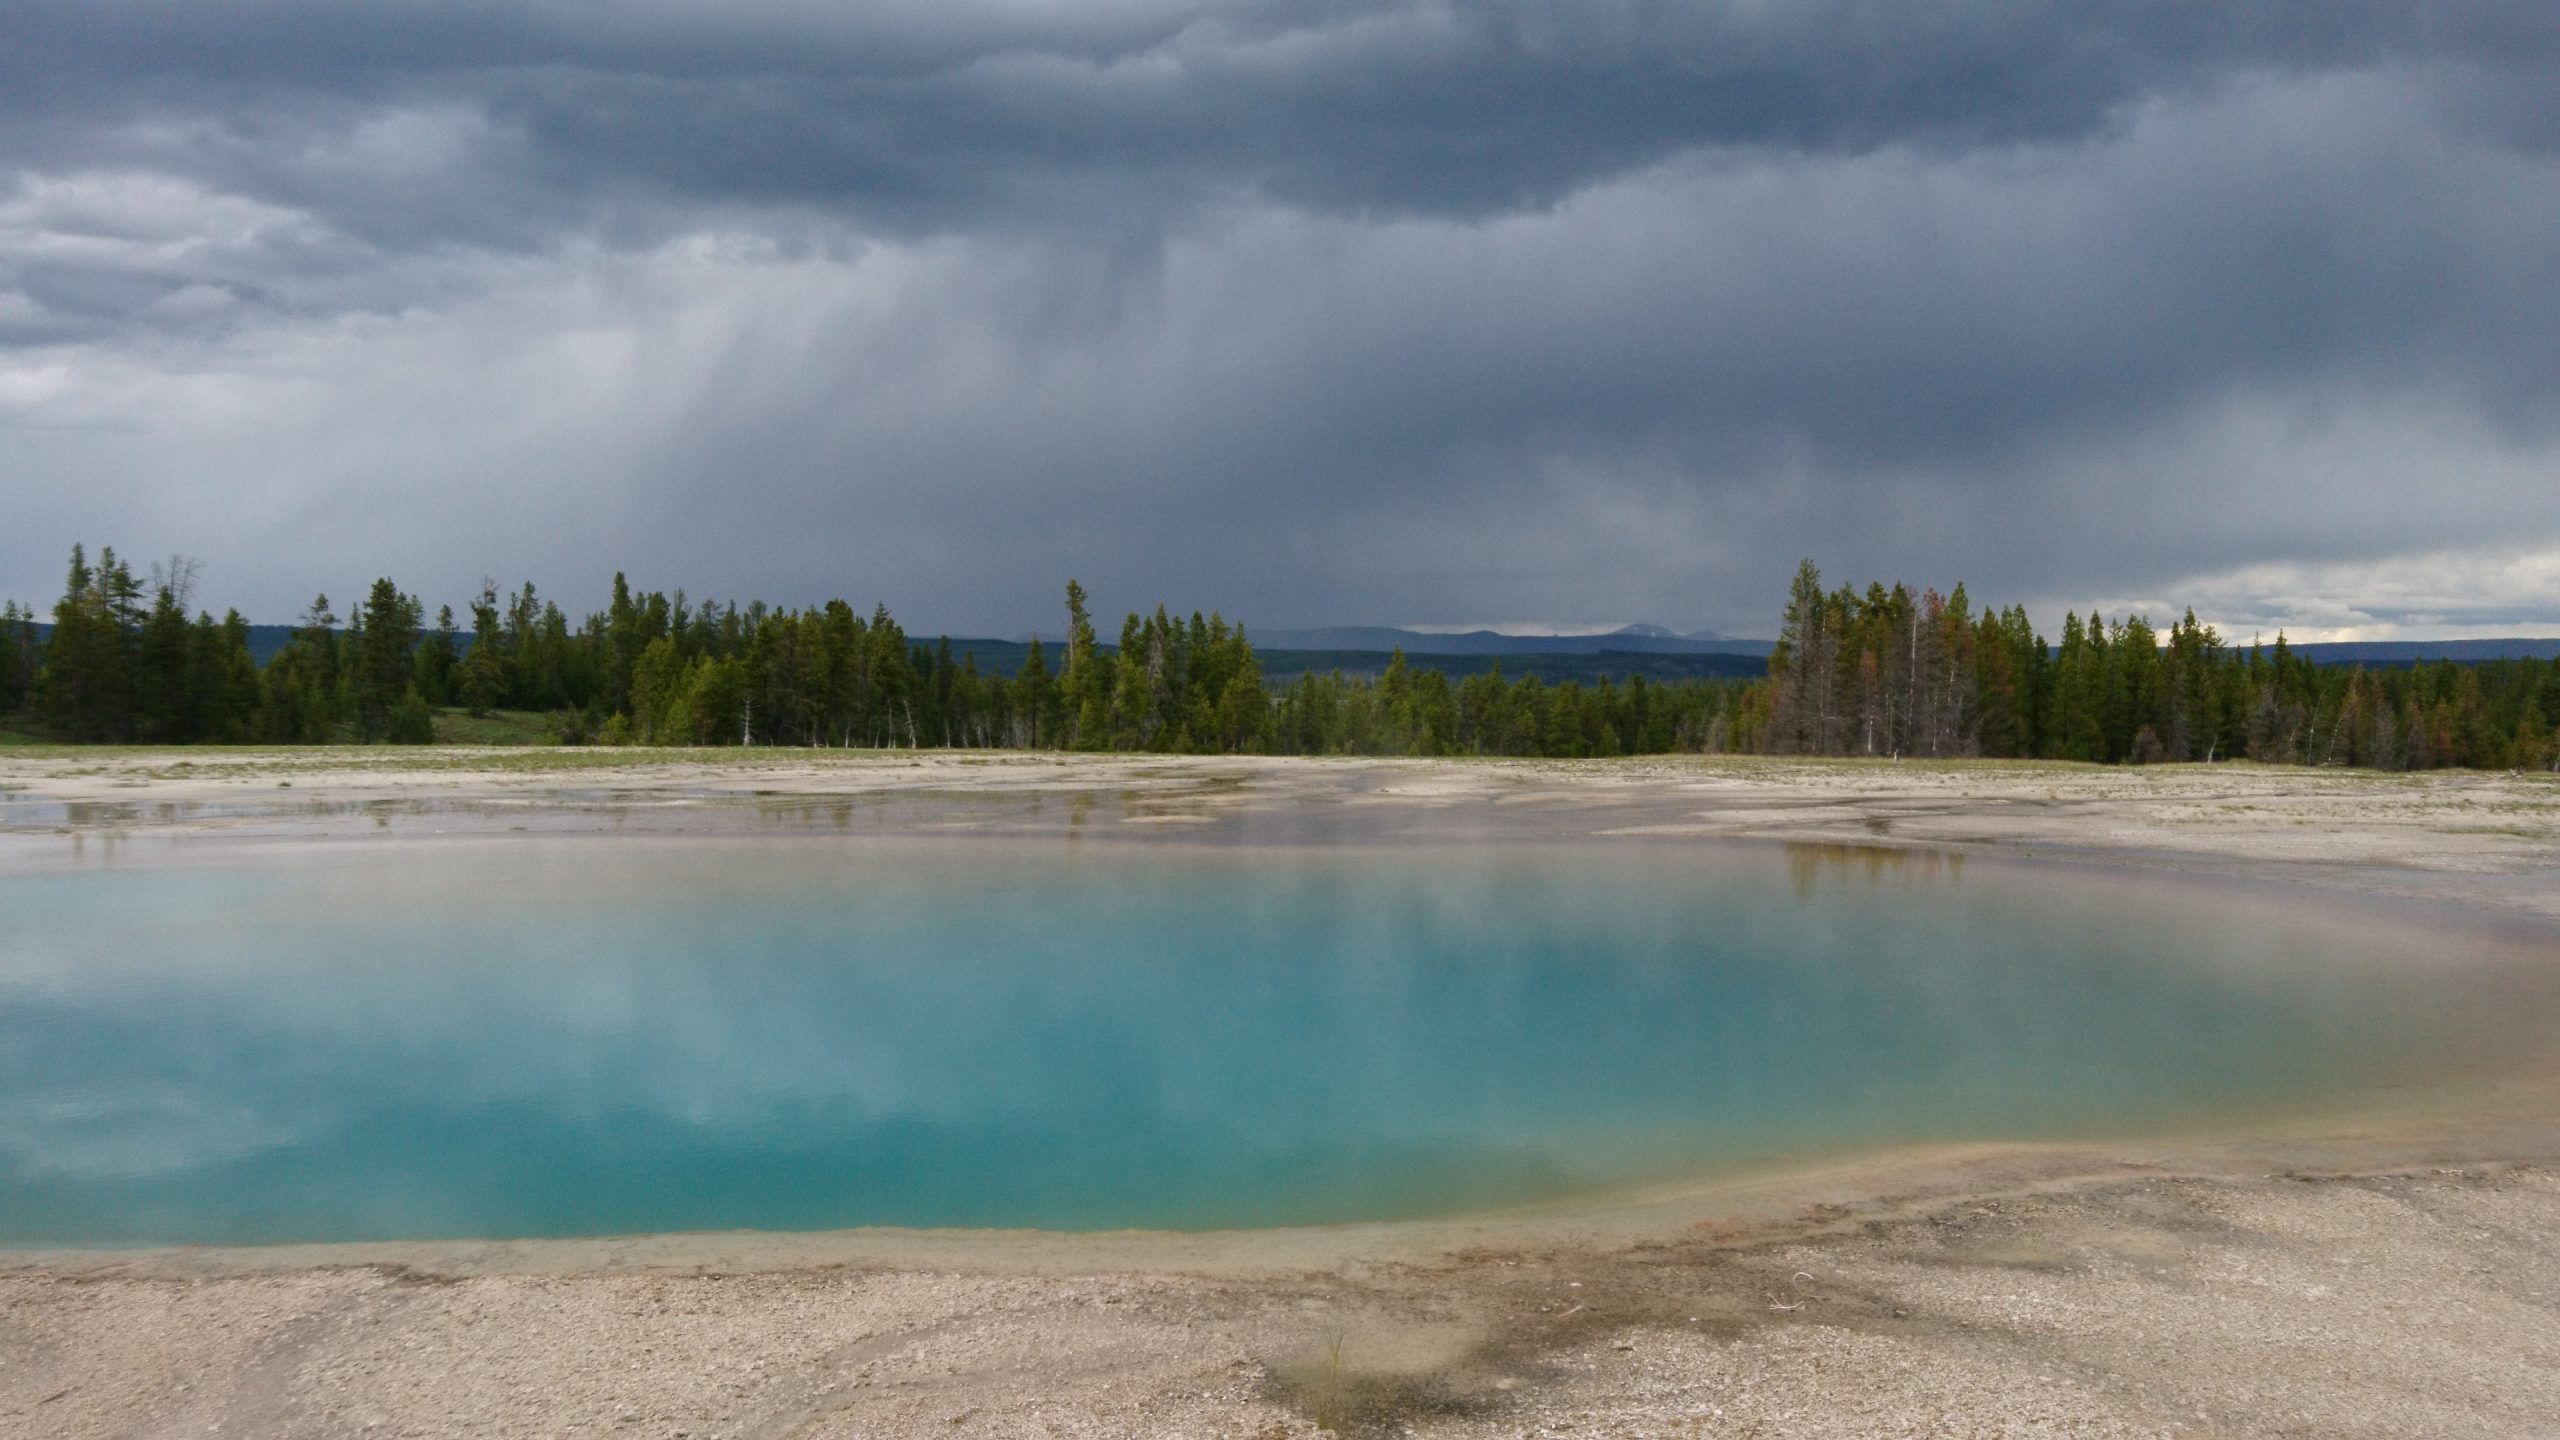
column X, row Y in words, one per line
column 1311, row 311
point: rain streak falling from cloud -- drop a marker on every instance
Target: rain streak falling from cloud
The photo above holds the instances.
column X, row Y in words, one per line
column 1311, row 311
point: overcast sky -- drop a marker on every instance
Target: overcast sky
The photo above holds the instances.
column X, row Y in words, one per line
column 1544, row 313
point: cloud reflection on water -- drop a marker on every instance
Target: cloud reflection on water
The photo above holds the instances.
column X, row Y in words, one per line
column 575, row 1037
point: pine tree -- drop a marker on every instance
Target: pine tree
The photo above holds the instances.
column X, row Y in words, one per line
column 1081, row 684
column 2073, row 732
column 483, row 677
column 87, row 679
column 166, row 711
column 2532, row 749
column 383, row 673
column 1804, row 671
column 17, row 657
column 1036, row 722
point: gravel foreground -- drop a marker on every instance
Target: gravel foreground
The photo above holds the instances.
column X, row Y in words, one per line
column 2399, row 1277
column 2396, row 1304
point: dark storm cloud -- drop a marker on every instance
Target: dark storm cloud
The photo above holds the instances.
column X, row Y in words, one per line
column 1315, row 309
column 2046, row 372
column 944, row 115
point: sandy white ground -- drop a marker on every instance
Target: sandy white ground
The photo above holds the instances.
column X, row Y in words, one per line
column 2386, row 1275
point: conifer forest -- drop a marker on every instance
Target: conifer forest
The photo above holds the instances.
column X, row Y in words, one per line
column 1875, row 672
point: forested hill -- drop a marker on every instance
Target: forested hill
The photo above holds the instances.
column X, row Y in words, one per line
column 263, row 641
column 1881, row 671
column 1632, row 640
column 1589, row 667
column 2421, row 652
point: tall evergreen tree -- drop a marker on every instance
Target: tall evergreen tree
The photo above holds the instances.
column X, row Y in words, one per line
column 88, row 672
column 383, row 671
column 17, row 657
column 1081, row 684
column 1804, row 671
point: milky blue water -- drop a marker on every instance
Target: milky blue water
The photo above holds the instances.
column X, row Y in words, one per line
column 514, row 1038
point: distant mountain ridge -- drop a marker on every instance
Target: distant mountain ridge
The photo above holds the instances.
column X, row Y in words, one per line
column 264, row 640
column 1656, row 640
column 1629, row 640
column 2411, row 652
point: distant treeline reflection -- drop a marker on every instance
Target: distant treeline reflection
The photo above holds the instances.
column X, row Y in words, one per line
column 1881, row 672
column 1809, row 862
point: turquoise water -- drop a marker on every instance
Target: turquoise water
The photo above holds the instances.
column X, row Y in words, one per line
column 498, row 1038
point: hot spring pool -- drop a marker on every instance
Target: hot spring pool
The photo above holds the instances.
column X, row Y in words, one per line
column 545, row 1037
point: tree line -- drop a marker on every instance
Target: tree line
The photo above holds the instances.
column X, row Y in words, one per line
column 1873, row 672
column 1886, row 672
column 125, row 663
